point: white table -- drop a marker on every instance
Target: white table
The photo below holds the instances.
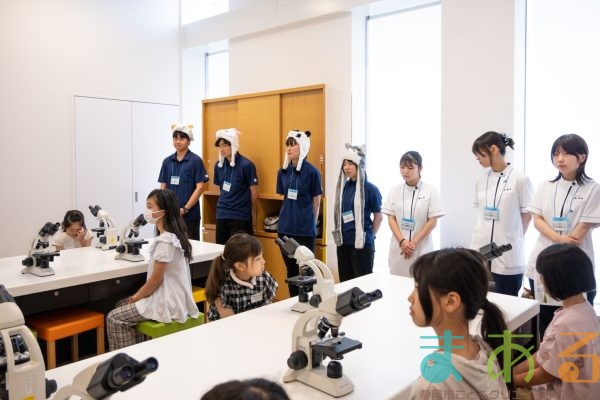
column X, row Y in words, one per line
column 85, row 265
column 257, row 344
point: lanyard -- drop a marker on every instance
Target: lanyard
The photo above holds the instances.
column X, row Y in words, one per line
column 412, row 202
column 291, row 169
column 180, row 169
column 497, row 185
column 344, row 192
column 224, row 173
column 562, row 209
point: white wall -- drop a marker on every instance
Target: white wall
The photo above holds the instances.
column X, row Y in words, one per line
column 52, row 50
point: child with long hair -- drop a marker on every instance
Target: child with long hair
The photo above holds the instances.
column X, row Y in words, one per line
column 451, row 286
column 567, row 365
column 167, row 294
column 237, row 281
column 74, row 233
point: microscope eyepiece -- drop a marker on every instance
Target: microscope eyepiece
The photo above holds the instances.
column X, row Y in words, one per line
column 145, row 367
column 94, row 210
column 120, row 376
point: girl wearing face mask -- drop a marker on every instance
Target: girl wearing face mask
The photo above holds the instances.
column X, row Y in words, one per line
column 413, row 208
column 501, row 195
column 167, row 294
column 565, row 210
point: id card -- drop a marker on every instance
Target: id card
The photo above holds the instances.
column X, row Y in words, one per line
column 408, row 224
column 491, row 213
column 348, row 216
column 174, row 180
column 226, row 186
column 560, row 224
column 255, row 298
column 292, row 194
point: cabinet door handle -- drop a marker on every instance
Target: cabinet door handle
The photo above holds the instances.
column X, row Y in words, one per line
column 136, row 197
column 56, row 293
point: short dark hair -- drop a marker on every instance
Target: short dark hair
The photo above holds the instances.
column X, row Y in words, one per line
column 227, row 142
column 575, row 145
column 411, row 157
column 181, row 134
column 251, row 389
column 566, row 269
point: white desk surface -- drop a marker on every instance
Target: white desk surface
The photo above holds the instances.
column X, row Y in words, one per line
column 85, row 265
column 257, row 343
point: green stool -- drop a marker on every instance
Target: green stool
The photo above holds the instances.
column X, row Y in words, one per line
column 155, row 329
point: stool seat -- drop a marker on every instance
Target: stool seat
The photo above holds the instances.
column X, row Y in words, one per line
column 156, row 329
column 199, row 294
column 70, row 322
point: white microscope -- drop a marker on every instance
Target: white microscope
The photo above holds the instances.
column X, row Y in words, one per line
column 321, row 281
column 22, row 368
column 102, row 380
column 39, row 255
column 316, row 335
column 106, row 236
column 129, row 244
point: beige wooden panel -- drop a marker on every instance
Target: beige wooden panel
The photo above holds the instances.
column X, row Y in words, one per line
column 305, row 110
column 259, row 124
column 216, row 116
column 275, row 266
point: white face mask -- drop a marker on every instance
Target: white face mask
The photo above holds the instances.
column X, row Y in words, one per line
column 149, row 218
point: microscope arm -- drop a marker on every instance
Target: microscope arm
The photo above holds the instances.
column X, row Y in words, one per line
column 79, row 385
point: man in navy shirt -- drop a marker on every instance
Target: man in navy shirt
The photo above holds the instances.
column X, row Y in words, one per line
column 183, row 172
column 236, row 177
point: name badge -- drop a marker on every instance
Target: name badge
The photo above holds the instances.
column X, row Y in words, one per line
column 174, row 180
column 292, row 194
column 491, row 213
column 560, row 224
column 255, row 298
column 348, row 216
column 408, row 224
column 226, row 186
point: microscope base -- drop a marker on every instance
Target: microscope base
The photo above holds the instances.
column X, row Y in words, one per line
column 130, row 257
column 38, row 271
column 302, row 307
column 317, row 378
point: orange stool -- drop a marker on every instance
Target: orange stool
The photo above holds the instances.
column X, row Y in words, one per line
column 61, row 324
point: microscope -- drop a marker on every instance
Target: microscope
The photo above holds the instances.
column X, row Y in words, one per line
column 129, row 244
column 102, row 380
column 39, row 256
column 492, row 250
column 106, row 236
column 311, row 342
column 314, row 275
column 22, row 368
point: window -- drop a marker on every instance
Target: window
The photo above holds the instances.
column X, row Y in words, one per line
column 562, row 84
column 217, row 74
column 403, row 107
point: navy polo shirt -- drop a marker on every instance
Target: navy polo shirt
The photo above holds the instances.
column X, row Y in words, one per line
column 297, row 217
column 372, row 205
column 237, row 202
column 191, row 171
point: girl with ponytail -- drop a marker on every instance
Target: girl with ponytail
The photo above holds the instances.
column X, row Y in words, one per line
column 237, row 281
column 451, row 287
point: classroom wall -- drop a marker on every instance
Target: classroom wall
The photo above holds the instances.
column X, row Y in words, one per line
column 50, row 52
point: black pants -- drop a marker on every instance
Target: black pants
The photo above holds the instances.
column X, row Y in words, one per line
column 507, row 284
column 193, row 229
column 290, row 262
column 227, row 227
column 353, row 262
column 547, row 312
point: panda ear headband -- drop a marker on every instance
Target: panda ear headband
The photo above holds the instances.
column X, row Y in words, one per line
column 303, row 140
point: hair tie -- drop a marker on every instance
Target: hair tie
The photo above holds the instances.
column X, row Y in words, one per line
column 223, row 257
column 505, row 138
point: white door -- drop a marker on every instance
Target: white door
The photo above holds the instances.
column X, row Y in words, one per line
column 103, row 158
column 151, row 143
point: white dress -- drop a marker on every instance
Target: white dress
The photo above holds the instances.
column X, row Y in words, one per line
column 579, row 203
column 510, row 191
column 172, row 300
column 68, row 242
column 419, row 203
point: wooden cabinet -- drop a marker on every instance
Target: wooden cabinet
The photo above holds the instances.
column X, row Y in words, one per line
column 264, row 119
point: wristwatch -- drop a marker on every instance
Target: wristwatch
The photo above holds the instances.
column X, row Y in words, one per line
column 185, row 210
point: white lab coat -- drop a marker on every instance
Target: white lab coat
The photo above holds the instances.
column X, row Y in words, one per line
column 514, row 193
column 426, row 203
